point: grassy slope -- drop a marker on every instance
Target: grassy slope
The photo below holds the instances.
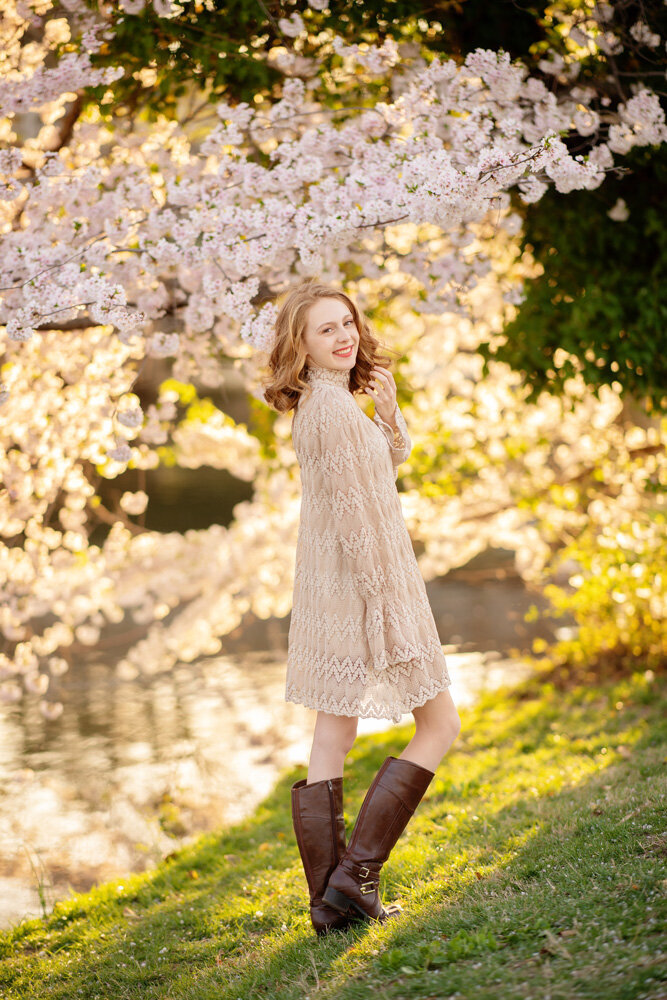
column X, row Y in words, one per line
column 534, row 868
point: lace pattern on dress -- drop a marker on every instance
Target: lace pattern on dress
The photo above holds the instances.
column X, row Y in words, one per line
column 314, row 374
column 362, row 638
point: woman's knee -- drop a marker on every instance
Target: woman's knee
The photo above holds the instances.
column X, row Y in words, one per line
column 438, row 718
column 336, row 731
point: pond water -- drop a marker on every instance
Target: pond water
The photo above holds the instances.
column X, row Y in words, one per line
column 132, row 770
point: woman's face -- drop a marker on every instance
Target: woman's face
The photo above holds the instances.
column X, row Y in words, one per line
column 330, row 327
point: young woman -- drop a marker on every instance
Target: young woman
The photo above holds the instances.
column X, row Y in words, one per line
column 362, row 638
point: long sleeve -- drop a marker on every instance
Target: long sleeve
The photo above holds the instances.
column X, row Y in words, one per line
column 399, row 441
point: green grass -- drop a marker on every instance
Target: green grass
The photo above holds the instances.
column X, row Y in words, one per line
column 533, row 868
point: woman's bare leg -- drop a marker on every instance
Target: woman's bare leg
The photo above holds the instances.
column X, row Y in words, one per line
column 437, row 726
column 332, row 741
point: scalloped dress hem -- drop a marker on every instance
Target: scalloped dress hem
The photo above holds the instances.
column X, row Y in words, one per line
column 322, row 704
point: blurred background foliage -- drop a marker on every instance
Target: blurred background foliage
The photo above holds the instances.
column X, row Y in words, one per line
column 600, row 305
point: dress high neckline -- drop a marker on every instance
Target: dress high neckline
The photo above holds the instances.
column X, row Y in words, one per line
column 334, row 376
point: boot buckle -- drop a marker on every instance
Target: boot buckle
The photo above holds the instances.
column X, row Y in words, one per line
column 364, row 872
column 367, row 887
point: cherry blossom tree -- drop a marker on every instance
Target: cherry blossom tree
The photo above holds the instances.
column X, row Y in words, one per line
column 129, row 241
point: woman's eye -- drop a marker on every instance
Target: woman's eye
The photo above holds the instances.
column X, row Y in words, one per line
column 328, row 329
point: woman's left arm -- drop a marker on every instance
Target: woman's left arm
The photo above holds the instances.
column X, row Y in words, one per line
column 397, row 436
column 388, row 416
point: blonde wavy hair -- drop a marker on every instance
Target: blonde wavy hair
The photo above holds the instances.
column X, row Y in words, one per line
column 284, row 385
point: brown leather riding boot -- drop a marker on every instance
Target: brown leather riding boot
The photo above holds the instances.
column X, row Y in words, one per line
column 395, row 793
column 317, row 813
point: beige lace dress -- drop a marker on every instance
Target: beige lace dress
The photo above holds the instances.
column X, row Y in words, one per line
column 362, row 638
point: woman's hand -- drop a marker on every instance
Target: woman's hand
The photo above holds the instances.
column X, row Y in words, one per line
column 383, row 391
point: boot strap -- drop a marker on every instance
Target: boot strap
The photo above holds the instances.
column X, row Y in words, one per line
column 363, row 872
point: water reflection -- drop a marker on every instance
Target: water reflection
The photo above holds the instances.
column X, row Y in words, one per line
column 131, row 770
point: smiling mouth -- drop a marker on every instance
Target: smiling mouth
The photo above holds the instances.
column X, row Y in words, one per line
column 345, row 352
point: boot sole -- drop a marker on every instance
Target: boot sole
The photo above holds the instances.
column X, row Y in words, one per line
column 326, row 931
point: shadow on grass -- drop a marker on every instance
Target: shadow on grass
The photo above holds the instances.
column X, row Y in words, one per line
column 227, row 917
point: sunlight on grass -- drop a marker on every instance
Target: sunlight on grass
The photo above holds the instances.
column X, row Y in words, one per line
column 536, row 857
